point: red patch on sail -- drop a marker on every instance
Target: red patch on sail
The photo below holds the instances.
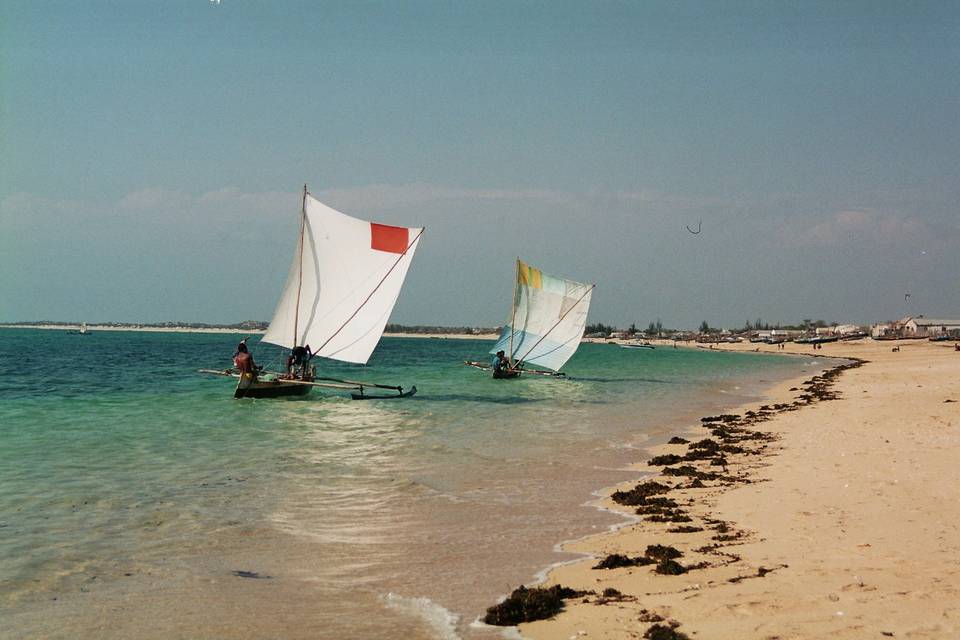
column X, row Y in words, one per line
column 386, row 238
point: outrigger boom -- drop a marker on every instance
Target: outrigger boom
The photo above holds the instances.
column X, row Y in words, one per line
column 275, row 383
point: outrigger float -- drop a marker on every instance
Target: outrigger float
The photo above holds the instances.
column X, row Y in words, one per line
column 547, row 320
column 344, row 281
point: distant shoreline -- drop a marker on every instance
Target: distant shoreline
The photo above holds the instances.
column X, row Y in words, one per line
column 107, row 327
column 227, row 330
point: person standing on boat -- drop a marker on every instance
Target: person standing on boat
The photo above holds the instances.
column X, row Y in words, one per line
column 299, row 360
column 243, row 359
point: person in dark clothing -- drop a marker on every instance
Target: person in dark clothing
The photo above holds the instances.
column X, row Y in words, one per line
column 297, row 363
column 502, row 368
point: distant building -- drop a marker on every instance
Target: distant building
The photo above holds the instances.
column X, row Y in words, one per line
column 915, row 327
column 921, row 327
column 881, row 330
column 839, row 330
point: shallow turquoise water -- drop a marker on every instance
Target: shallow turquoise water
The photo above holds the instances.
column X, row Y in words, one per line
column 130, row 484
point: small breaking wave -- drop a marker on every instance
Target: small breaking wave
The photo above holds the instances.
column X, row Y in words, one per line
column 441, row 621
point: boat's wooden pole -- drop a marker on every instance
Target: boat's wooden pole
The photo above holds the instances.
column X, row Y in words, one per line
column 303, row 223
column 513, row 310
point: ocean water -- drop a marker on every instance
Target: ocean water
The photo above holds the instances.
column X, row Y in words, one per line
column 139, row 499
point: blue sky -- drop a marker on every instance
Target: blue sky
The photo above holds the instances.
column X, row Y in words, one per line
column 152, row 153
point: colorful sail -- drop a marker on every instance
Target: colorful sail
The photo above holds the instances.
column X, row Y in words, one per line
column 548, row 320
column 343, row 283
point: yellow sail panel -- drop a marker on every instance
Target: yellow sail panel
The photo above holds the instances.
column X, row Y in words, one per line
column 529, row 276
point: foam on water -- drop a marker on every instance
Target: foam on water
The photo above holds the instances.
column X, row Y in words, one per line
column 441, row 621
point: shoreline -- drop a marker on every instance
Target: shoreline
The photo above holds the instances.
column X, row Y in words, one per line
column 748, row 525
column 227, row 330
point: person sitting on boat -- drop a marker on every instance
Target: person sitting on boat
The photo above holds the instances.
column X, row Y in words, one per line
column 299, row 360
column 502, row 368
column 243, row 359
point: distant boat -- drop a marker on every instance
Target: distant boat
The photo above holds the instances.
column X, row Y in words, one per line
column 637, row 345
column 344, row 281
column 82, row 331
column 547, row 320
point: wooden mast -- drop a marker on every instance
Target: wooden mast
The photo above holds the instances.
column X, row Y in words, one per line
column 303, row 222
column 513, row 311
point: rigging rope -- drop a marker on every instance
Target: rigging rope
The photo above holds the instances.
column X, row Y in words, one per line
column 537, row 343
column 367, row 299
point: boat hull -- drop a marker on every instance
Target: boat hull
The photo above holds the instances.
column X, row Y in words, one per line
column 249, row 386
column 515, row 373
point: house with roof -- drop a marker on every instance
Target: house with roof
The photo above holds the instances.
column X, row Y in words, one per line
column 920, row 327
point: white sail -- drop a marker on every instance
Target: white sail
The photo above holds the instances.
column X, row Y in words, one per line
column 549, row 316
column 344, row 280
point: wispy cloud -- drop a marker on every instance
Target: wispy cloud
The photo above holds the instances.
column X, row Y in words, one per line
column 153, row 199
column 860, row 226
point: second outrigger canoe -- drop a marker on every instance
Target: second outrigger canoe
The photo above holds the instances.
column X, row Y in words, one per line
column 547, row 320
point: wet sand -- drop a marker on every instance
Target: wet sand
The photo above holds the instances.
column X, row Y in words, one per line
column 839, row 517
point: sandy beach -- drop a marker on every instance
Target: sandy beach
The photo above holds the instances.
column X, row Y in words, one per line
column 828, row 510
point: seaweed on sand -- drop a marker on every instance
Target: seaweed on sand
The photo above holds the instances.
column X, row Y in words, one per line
column 707, row 445
column 657, row 505
column 761, row 572
column 655, row 553
column 666, row 459
column 657, row 501
column 526, row 605
column 662, row 552
column 670, row 568
column 618, row 560
column 613, row 595
column 635, row 496
column 665, row 632
column 649, row 616
column 690, row 471
column 669, row 515
column 677, row 440
column 685, row 529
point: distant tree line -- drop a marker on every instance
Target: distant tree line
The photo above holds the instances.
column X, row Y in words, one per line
column 656, row 329
column 246, row 325
column 420, row 328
